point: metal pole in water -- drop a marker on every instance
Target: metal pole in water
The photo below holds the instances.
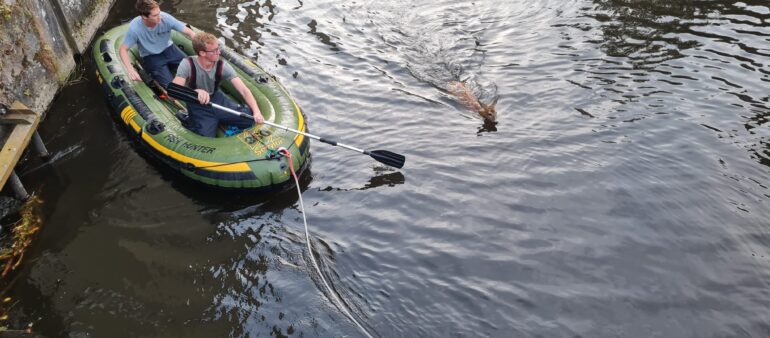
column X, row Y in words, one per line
column 17, row 187
column 39, row 145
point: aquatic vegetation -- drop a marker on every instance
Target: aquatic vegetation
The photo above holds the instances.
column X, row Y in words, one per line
column 11, row 256
column 22, row 234
column 5, row 306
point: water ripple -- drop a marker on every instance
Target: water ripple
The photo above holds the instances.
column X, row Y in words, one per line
column 622, row 192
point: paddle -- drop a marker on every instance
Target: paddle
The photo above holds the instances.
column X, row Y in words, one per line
column 189, row 95
column 157, row 88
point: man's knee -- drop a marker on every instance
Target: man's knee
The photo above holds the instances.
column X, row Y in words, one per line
column 163, row 76
column 204, row 128
column 175, row 54
column 203, row 124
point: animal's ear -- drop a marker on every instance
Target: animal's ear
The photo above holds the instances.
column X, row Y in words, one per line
column 494, row 102
column 454, row 87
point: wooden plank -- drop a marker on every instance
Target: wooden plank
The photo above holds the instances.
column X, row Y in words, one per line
column 16, row 118
column 21, row 108
column 17, row 141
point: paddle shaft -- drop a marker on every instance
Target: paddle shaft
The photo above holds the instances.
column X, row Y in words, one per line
column 383, row 156
column 322, row 139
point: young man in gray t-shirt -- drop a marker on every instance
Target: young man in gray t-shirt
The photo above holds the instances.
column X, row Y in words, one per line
column 209, row 71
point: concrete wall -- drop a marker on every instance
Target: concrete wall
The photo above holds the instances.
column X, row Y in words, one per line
column 38, row 41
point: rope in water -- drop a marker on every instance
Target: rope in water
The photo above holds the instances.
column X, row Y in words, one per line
column 334, row 296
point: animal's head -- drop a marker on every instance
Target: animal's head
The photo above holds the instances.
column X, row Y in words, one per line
column 488, row 111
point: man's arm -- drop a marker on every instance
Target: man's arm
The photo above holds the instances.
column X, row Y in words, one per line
column 179, row 80
column 203, row 96
column 177, row 25
column 189, row 32
column 246, row 95
column 132, row 74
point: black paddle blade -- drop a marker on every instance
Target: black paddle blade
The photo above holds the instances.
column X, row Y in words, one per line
column 183, row 93
column 389, row 158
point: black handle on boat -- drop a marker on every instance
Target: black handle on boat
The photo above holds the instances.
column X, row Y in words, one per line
column 383, row 156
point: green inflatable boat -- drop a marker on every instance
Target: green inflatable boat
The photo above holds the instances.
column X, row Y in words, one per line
column 248, row 159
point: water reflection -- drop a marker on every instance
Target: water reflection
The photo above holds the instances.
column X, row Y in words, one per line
column 244, row 291
column 390, row 179
column 700, row 46
column 487, row 127
column 324, row 38
column 267, row 273
column 233, row 200
column 641, row 30
column 626, row 171
column 244, row 23
column 650, row 32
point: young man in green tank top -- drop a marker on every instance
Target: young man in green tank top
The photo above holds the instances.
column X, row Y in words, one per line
column 204, row 73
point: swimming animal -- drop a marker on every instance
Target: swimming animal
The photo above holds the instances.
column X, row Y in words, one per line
column 468, row 99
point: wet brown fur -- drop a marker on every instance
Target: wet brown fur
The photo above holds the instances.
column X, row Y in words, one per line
column 468, row 99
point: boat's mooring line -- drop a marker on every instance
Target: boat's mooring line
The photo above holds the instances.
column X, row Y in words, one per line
column 333, row 295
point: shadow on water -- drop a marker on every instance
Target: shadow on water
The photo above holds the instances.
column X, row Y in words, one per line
column 232, row 200
column 487, row 127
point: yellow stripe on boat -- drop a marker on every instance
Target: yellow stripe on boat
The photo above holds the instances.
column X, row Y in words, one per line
column 214, row 166
column 300, row 127
column 134, row 125
column 127, row 115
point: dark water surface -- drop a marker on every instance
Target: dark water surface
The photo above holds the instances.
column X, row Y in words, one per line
column 623, row 193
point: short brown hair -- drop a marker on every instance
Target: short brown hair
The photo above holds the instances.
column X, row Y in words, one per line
column 145, row 6
column 201, row 39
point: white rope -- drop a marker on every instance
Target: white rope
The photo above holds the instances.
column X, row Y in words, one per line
column 334, row 296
